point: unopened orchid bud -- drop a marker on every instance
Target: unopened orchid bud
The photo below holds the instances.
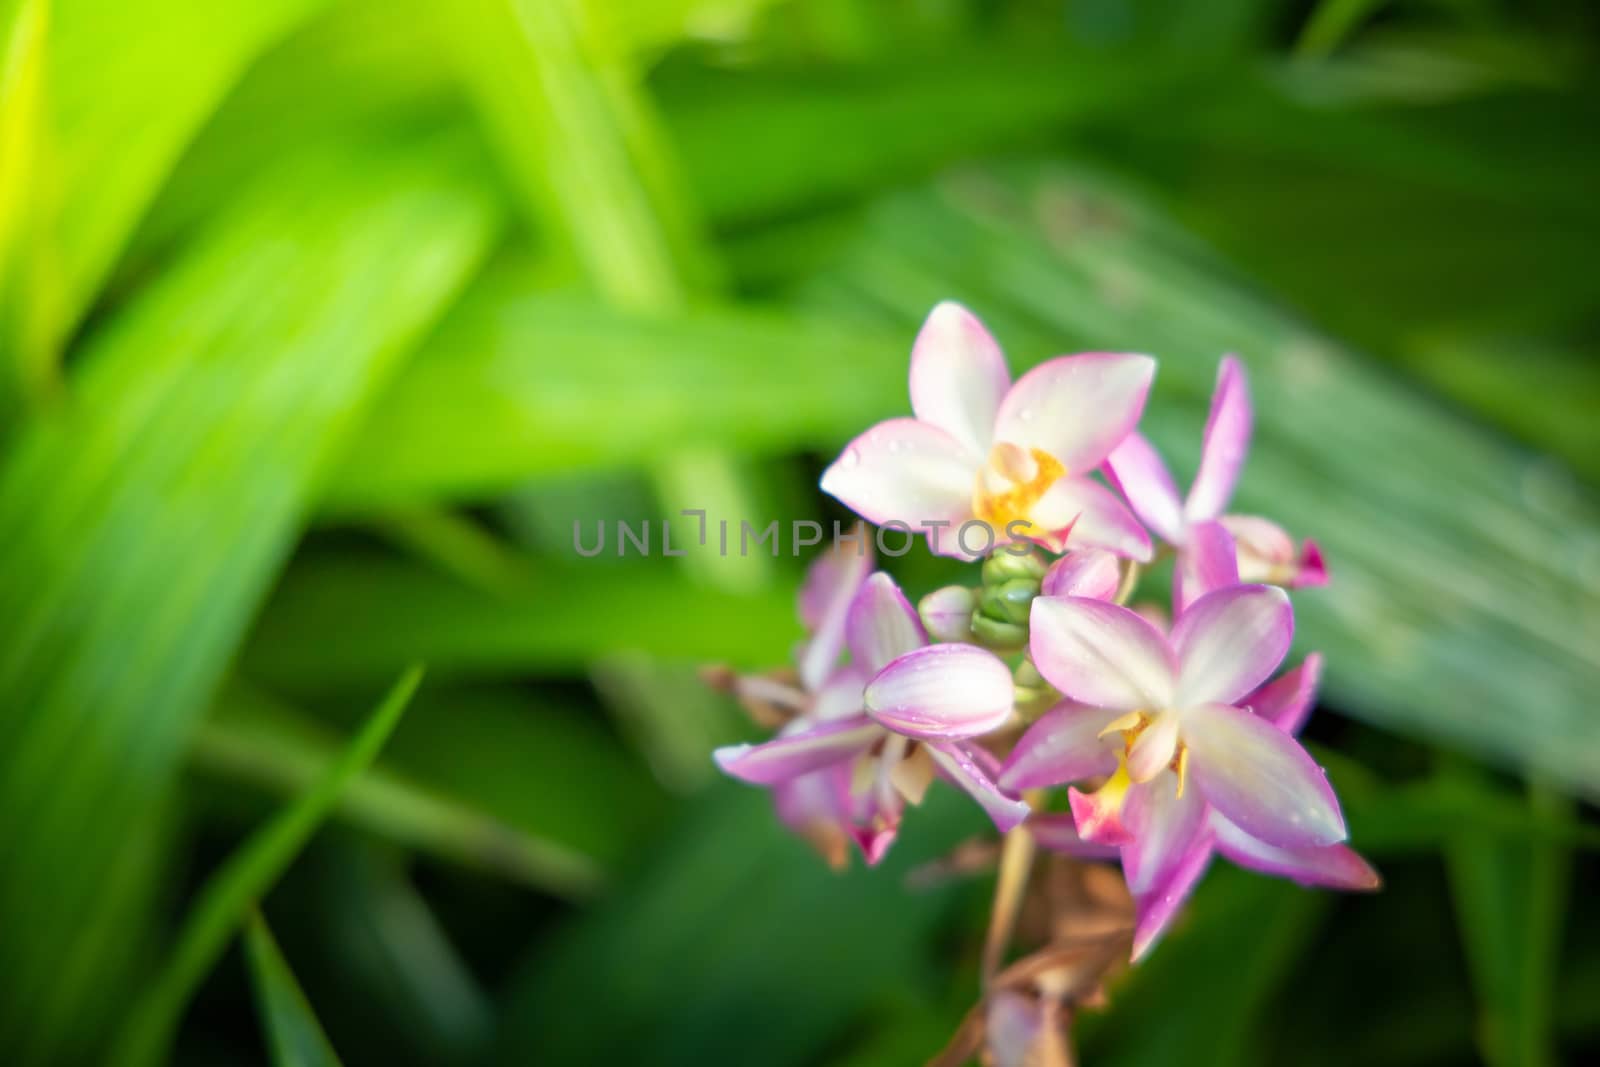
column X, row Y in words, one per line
column 998, row 635
column 1009, row 601
column 1006, row 564
column 947, row 613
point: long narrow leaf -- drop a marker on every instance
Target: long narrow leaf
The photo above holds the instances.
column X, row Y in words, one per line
column 247, row 876
column 293, row 1033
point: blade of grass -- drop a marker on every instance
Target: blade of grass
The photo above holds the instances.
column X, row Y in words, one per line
column 251, row 739
column 293, row 1033
column 247, row 876
column 1510, row 896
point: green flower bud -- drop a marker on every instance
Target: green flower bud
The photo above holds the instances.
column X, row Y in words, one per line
column 1004, row 564
column 1009, row 601
column 997, row 635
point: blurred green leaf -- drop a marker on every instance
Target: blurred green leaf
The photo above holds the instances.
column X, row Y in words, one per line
column 27, row 207
column 293, row 1033
column 251, row 739
column 1510, row 895
column 227, row 896
column 146, row 516
column 128, row 86
column 735, row 944
column 558, row 95
column 380, row 607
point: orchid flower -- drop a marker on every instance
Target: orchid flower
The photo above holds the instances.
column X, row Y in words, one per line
column 1197, row 754
column 901, row 711
column 1015, row 457
column 1266, row 552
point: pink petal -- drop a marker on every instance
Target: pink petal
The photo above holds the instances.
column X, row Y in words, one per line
column 1230, row 641
column 1101, row 654
column 1260, row 778
column 1058, row 832
column 1154, row 748
column 1268, row 554
column 904, row 471
column 1164, row 827
column 1135, row 468
column 1063, row 746
column 1312, row 570
column 816, row 807
column 1329, row 866
column 881, row 625
column 1087, row 572
column 830, row 585
column 798, row 753
column 1076, row 408
column 1098, row 816
column 958, row 376
column 1208, row 562
column 1156, row 908
column 960, row 764
column 840, row 695
column 1286, row 701
column 942, row 692
column 1081, row 512
column 1227, row 441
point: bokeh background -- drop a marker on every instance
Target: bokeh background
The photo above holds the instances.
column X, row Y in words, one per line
column 323, row 320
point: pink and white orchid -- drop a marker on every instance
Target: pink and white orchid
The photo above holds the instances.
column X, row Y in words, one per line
column 1266, row 552
column 1197, row 754
column 900, row 712
column 1015, row 457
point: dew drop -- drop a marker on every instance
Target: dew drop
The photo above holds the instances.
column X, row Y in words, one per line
column 852, row 458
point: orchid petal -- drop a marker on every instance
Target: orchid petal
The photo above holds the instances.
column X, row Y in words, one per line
column 1330, row 866
column 1227, row 440
column 830, row 585
column 1260, row 778
column 798, row 753
column 1098, row 815
column 942, row 692
column 816, row 807
column 1136, row 469
column 1267, row 553
column 1206, row 563
column 904, row 471
column 1058, row 832
column 840, row 695
column 1156, row 908
column 1154, row 748
column 961, row 766
column 1064, row 745
column 1286, row 701
column 1099, row 653
column 881, row 625
column 1230, row 641
column 1076, row 408
column 958, row 376
column 1164, row 826
column 1078, row 511
column 1087, row 572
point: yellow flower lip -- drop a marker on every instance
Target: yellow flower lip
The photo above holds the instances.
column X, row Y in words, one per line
column 1012, row 482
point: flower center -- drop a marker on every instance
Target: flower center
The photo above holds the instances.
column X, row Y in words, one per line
column 1011, row 483
column 1130, row 726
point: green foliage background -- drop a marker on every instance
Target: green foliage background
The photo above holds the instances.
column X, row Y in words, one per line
column 321, row 321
